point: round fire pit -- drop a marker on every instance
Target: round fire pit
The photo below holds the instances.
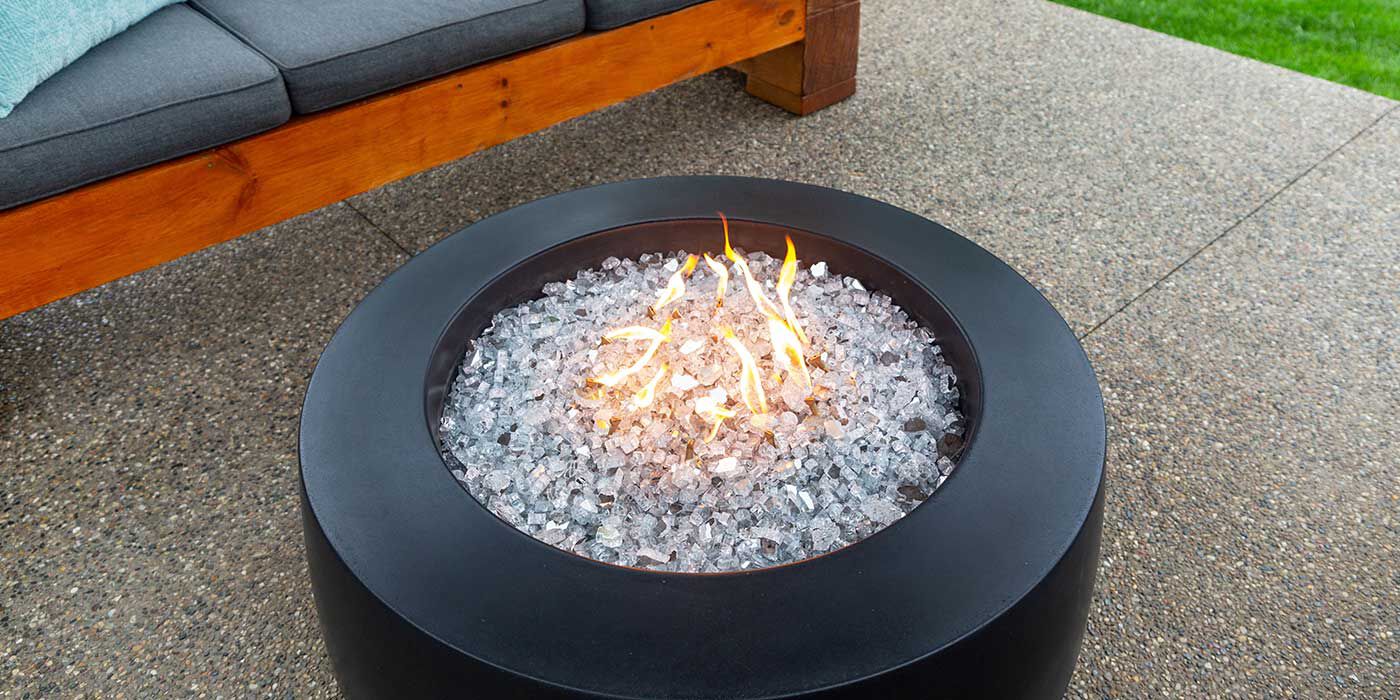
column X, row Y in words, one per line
column 980, row 591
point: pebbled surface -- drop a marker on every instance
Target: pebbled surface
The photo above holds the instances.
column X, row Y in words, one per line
column 149, row 543
column 1254, row 456
column 1091, row 155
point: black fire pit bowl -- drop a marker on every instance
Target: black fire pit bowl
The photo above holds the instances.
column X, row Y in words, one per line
column 982, row 591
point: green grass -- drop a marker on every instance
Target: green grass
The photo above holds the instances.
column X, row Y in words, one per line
column 1353, row 42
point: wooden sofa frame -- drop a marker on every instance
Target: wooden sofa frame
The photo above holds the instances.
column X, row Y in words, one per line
column 798, row 54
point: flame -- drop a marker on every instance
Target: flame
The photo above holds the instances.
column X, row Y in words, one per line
column 634, row 333
column 750, row 381
column 786, row 278
column 644, row 397
column 765, row 307
column 675, row 289
column 723, row 273
column 783, row 331
column 787, row 350
column 714, row 411
column 789, row 343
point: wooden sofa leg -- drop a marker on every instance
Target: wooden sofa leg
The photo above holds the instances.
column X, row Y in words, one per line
column 818, row 71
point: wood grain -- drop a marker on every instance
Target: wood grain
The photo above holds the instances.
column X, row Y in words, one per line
column 818, row 72
column 819, row 6
column 98, row 233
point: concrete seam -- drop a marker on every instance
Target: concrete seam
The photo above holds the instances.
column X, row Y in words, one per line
column 376, row 227
column 1267, row 200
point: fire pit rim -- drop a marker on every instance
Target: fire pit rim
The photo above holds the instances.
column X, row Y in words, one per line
column 359, row 556
column 450, row 349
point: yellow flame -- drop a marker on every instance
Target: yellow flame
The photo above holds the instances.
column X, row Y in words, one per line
column 787, row 351
column 723, row 273
column 714, row 412
column 786, row 278
column 647, row 394
column 788, row 341
column 787, row 337
column 765, row 307
column 634, row 333
column 750, row 381
column 675, row 289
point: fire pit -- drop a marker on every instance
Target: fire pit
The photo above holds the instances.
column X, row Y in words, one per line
column 640, row 414
column 566, row 376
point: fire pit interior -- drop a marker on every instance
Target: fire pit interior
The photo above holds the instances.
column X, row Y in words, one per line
column 805, row 541
column 695, row 412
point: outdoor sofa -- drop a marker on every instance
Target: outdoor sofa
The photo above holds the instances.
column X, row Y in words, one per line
column 213, row 118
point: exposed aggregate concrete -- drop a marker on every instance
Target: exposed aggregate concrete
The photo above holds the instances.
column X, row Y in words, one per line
column 149, row 540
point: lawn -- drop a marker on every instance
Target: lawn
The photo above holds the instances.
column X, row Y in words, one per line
column 1353, row 42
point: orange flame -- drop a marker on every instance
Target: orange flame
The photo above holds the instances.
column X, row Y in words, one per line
column 634, row 333
column 675, row 289
column 750, row 381
column 723, row 273
column 647, row 394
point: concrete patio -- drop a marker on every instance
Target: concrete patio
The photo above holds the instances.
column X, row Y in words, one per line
column 1223, row 234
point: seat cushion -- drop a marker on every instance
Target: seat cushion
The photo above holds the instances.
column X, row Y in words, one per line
column 39, row 37
column 608, row 14
column 334, row 51
column 172, row 84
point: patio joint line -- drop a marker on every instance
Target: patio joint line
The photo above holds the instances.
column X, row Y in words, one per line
column 1237, row 223
column 376, row 227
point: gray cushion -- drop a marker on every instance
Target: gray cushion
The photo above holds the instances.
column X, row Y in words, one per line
column 334, row 51
column 172, row 84
column 608, row 14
